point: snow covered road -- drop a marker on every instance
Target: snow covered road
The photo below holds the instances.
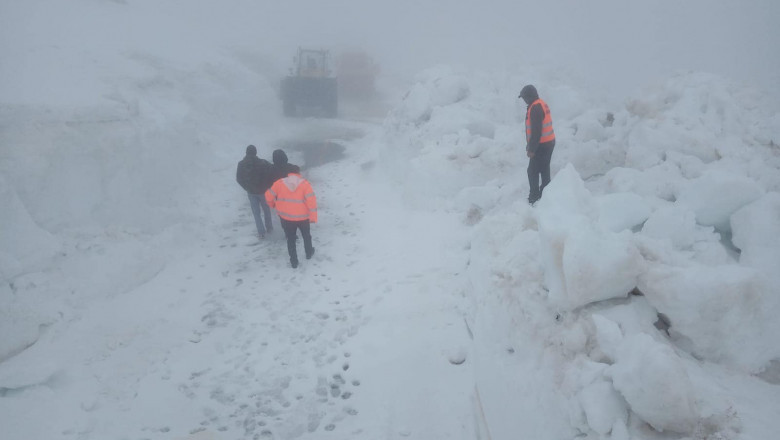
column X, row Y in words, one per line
column 362, row 341
column 136, row 302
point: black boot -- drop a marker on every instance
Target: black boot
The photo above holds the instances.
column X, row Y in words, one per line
column 309, row 253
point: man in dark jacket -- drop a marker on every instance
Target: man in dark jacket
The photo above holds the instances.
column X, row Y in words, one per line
column 255, row 175
column 540, row 141
column 281, row 167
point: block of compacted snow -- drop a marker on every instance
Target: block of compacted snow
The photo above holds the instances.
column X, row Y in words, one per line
column 603, row 406
column 608, row 335
column 599, row 266
column 622, row 211
column 756, row 232
column 723, row 312
column 583, row 262
column 675, row 223
column 652, row 379
column 716, row 195
column 24, row 246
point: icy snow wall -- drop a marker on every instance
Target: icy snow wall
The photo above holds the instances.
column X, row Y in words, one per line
column 645, row 196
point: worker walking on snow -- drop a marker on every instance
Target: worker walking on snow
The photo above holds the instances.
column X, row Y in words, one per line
column 294, row 201
column 540, row 141
column 255, row 176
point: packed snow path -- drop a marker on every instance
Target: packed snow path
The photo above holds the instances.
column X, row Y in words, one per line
column 353, row 337
column 365, row 340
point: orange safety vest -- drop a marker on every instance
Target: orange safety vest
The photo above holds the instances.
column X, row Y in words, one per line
column 548, row 134
column 293, row 198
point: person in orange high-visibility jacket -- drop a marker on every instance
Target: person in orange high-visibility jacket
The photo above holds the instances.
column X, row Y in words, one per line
column 540, row 141
column 294, row 201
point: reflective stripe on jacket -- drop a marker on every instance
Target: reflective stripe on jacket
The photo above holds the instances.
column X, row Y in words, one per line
column 293, row 198
column 548, row 134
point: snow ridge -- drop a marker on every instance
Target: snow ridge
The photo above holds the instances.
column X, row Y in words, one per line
column 633, row 234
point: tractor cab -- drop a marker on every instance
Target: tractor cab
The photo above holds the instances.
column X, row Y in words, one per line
column 312, row 63
column 309, row 89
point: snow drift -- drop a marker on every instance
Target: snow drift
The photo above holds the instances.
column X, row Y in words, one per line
column 644, row 201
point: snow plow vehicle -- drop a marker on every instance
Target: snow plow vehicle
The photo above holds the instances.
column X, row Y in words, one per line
column 357, row 73
column 310, row 89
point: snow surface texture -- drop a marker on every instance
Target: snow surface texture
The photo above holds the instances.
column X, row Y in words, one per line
column 648, row 197
column 136, row 303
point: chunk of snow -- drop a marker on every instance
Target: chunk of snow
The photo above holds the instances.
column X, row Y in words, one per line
column 654, row 382
column 608, row 335
column 597, row 267
column 621, row 211
column 23, row 244
column 722, row 310
column 583, row 263
column 603, row 406
column 619, row 431
column 434, row 87
column 674, row 222
column 715, row 195
column 756, row 232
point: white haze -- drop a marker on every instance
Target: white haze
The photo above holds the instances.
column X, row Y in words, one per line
column 615, row 45
column 136, row 301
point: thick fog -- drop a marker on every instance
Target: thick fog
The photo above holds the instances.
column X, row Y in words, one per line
column 138, row 301
column 611, row 44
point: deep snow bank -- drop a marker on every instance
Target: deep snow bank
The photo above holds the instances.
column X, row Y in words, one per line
column 113, row 114
column 112, row 175
column 98, row 134
column 645, row 196
column 109, row 143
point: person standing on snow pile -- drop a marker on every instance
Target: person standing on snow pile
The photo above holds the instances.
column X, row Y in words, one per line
column 294, row 201
column 254, row 175
column 540, row 141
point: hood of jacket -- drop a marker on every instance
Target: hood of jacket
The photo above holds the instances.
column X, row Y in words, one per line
column 293, row 181
column 529, row 94
column 279, row 157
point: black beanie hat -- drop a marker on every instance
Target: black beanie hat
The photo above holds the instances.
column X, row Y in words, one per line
column 279, row 157
column 251, row 150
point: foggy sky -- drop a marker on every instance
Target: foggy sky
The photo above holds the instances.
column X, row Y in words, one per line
column 621, row 41
column 620, row 44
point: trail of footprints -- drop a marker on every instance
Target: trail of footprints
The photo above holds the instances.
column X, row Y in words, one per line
column 278, row 408
column 260, row 386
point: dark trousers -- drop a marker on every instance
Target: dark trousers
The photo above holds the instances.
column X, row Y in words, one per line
column 539, row 165
column 259, row 205
column 290, row 231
